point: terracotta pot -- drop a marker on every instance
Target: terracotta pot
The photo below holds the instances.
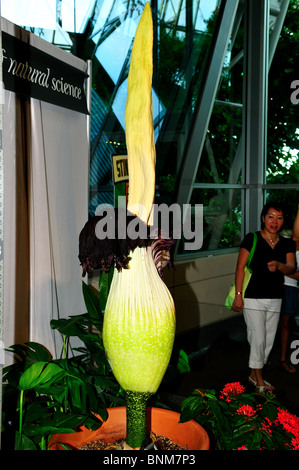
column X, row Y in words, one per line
column 162, row 422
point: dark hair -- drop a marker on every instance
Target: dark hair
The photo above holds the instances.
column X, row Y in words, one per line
column 270, row 205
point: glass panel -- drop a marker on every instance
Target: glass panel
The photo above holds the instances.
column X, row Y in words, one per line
column 185, row 42
column 225, row 126
column 222, row 218
column 283, row 131
column 221, row 145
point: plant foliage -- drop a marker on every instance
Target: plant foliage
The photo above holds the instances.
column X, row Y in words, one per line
column 44, row 396
column 238, row 420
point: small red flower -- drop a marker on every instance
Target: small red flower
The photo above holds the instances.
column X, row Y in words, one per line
column 295, row 443
column 231, row 390
column 288, row 421
column 246, row 410
column 267, row 426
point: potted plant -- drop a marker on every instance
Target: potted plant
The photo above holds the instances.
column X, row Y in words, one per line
column 46, row 400
column 237, row 420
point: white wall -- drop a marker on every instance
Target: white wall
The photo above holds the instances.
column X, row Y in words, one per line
column 199, row 289
column 46, row 168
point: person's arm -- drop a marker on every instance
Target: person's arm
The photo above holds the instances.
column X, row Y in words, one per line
column 295, row 234
column 238, row 303
column 286, row 268
column 294, row 276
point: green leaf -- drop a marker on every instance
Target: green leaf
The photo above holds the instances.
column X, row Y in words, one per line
column 28, row 353
column 30, row 376
column 222, row 420
column 40, row 374
column 192, row 407
column 37, row 352
column 183, row 362
column 42, row 431
column 22, row 442
column 105, row 382
column 68, row 326
column 269, row 410
column 104, row 287
column 91, row 301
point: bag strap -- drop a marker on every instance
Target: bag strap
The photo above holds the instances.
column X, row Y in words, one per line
column 252, row 249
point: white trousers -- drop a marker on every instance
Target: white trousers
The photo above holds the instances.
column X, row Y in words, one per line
column 261, row 318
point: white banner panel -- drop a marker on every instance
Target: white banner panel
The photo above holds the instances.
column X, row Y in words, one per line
column 46, row 161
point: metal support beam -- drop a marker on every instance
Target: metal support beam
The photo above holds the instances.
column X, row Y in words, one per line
column 257, row 60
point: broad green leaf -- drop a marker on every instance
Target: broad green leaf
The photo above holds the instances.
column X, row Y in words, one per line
column 91, row 301
column 22, row 442
column 67, row 326
column 42, row 431
column 51, row 373
column 192, row 407
column 40, row 374
column 30, row 377
column 37, row 352
column 222, row 420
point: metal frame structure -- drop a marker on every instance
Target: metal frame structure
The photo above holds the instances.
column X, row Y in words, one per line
column 197, row 136
column 250, row 157
column 249, row 160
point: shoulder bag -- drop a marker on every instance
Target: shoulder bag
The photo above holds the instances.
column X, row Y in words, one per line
column 247, row 275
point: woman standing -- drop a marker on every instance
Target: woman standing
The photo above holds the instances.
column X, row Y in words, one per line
column 273, row 258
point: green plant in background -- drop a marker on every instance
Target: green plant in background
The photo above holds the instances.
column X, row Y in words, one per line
column 243, row 421
column 44, row 396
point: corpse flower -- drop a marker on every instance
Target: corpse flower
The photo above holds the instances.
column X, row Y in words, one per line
column 139, row 320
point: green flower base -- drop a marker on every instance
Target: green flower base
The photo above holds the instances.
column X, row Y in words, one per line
column 136, row 403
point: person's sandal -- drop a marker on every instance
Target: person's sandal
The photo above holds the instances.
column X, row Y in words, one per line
column 252, row 381
column 261, row 389
column 267, row 385
column 287, row 367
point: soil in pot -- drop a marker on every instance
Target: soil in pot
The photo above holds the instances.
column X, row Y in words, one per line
column 155, row 443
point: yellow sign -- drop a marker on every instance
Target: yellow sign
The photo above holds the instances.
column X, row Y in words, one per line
column 120, row 168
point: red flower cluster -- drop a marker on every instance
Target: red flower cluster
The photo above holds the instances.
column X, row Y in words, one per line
column 231, row 390
column 295, row 443
column 266, row 426
column 246, row 410
column 290, row 423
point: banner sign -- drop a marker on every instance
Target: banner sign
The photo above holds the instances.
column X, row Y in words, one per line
column 33, row 73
